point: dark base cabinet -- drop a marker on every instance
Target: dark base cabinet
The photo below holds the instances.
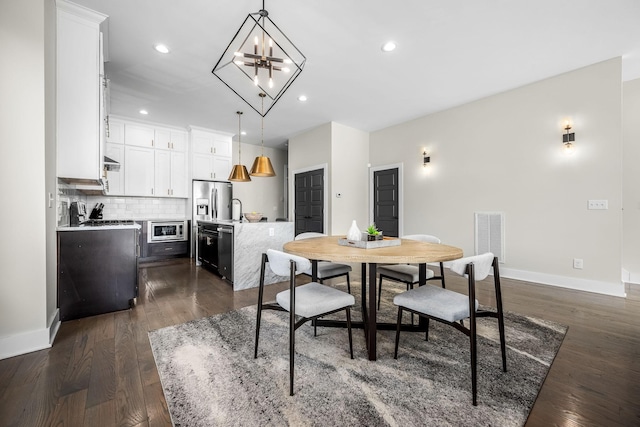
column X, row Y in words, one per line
column 158, row 251
column 97, row 271
column 215, row 249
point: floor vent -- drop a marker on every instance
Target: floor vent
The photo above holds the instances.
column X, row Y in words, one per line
column 489, row 229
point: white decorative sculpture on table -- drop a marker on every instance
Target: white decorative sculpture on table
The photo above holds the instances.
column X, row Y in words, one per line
column 354, row 232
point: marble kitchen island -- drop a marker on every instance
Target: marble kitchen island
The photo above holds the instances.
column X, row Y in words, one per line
column 250, row 241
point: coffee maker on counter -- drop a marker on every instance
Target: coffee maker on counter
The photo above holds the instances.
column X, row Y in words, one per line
column 77, row 213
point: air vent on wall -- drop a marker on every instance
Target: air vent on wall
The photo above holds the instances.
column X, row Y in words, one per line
column 489, row 230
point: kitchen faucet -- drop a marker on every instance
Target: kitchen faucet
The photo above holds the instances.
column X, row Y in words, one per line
column 239, row 201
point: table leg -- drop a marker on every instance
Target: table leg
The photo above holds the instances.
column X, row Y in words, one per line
column 422, row 280
column 372, row 315
column 363, row 301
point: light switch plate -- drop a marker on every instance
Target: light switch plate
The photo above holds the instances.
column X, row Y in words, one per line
column 598, row 204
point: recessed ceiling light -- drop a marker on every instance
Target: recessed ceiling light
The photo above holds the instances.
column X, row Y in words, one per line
column 144, row 112
column 388, row 46
column 161, row 48
column 302, row 98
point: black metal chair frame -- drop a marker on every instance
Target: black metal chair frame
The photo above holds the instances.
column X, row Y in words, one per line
column 293, row 324
column 471, row 331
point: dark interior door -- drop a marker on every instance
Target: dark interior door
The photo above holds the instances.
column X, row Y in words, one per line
column 309, row 202
column 385, row 201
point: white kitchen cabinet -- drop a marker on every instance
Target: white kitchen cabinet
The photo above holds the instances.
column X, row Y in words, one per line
column 170, row 174
column 115, row 179
column 211, row 155
column 79, row 91
column 139, row 171
column 115, row 131
column 206, row 166
column 139, row 135
column 169, row 139
column 179, row 176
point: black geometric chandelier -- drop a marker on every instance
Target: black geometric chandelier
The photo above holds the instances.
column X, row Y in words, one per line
column 259, row 59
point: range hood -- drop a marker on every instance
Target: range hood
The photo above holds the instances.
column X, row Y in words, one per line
column 90, row 187
column 93, row 187
column 110, row 164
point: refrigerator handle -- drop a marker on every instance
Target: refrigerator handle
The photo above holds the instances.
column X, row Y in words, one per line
column 214, row 203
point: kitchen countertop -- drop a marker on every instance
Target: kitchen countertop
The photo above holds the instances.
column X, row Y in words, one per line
column 236, row 223
column 98, row 227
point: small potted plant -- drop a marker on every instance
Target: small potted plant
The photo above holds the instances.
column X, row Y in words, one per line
column 373, row 233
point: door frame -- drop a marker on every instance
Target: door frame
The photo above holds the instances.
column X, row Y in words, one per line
column 398, row 166
column 325, row 202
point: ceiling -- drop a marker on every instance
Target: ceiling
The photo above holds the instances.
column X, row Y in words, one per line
column 449, row 52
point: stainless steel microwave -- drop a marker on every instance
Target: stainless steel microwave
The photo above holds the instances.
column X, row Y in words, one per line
column 166, row 231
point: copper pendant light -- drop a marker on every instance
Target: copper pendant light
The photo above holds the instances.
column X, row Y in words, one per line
column 239, row 172
column 262, row 165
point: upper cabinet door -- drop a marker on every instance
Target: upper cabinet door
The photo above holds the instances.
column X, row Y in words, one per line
column 222, row 147
column 78, row 89
column 202, row 143
column 139, row 135
column 169, row 139
column 139, row 171
column 115, row 132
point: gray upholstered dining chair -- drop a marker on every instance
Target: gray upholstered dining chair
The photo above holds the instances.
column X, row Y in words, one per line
column 408, row 273
column 326, row 269
column 308, row 302
column 450, row 308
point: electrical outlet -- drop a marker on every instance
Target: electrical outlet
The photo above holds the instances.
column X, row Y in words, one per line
column 272, row 231
column 598, row 204
column 578, row 263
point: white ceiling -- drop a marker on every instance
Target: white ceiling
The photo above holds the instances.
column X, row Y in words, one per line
column 449, row 52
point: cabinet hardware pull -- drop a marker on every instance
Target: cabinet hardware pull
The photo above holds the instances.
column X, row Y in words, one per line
column 152, row 142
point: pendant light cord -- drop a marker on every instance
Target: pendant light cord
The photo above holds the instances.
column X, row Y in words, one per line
column 239, row 113
column 262, row 95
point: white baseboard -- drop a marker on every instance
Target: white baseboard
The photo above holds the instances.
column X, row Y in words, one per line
column 605, row 288
column 27, row 342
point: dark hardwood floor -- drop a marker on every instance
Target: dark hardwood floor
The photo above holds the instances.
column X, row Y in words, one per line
column 101, row 372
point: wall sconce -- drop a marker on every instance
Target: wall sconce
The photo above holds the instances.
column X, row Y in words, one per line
column 425, row 159
column 568, row 138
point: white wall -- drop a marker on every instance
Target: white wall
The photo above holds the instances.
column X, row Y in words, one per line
column 504, row 153
column 345, row 150
column 349, row 177
column 631, row 179
column 25, row 295
column 261, row 194
column 308, row 150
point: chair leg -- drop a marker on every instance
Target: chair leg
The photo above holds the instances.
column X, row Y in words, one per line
column 442, row 275
column 379, row 291
column 496, row 281
column 474, row 357
column 349, row 330
column 292, row 324
column 348, row 284
column 260, row 296
column 395, row 354
column 255, row 352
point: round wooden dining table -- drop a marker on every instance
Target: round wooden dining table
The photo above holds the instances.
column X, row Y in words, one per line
column 327, row 248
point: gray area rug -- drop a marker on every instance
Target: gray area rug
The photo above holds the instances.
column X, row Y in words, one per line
column 210, row 377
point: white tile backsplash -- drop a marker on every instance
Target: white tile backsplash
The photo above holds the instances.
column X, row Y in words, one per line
column 140, row 207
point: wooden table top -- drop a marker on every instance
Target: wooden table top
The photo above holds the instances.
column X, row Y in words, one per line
column 409, row 251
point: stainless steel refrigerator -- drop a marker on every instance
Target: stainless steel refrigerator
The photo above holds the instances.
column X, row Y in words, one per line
column 211, row 201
